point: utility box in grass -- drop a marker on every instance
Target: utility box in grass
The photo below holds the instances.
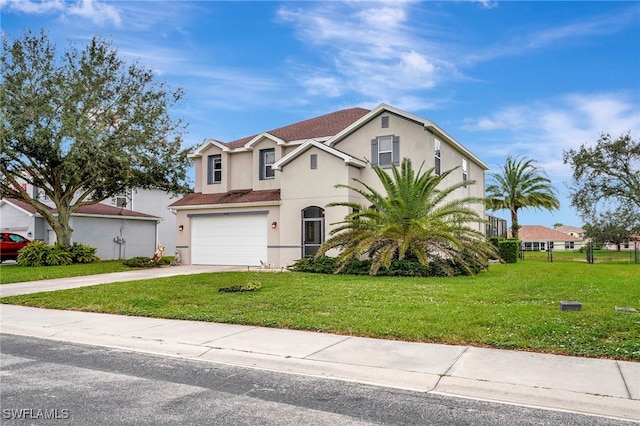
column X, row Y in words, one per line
column 570, row 306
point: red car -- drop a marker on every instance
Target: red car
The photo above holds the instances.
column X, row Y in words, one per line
column 10, row 244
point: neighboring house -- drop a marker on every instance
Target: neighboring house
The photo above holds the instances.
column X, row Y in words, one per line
column 116, row 233
column 539, row 238
column 263, row 199
column 571, row 230
column 631, row 245
column 580, row 233
column 154, row 202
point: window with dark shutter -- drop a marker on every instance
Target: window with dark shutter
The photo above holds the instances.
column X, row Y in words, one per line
column 374, row 152
column 385, row 151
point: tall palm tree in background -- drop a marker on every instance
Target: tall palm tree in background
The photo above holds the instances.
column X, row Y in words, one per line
column 520, row 185
column 414, row 218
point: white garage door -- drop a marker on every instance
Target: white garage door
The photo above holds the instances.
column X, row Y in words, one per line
column 229, row 239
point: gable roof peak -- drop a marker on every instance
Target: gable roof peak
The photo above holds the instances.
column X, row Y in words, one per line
column 322, row 126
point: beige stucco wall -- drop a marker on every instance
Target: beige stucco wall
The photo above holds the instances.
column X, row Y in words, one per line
column 418, row 144
column 256, row 183
column 304, row 187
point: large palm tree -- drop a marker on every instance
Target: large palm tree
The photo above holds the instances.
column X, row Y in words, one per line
column 414, row 217
column 520, row 184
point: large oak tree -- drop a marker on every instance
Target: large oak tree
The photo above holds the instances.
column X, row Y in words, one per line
column 606, row 182
column 82, row 126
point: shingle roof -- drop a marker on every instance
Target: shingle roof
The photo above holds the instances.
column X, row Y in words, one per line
column 231, row 197
column 23, row 205
column 107, row 210
column 542, row 233
column 318, row 127
column 567, row 229
column 94, row 209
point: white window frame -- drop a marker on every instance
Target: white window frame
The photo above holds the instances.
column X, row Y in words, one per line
column 389, row 151
column 437, row 153
column 214, row 167
column 266, row 170
column 465, row 170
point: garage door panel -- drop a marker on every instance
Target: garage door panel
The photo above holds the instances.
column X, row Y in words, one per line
column 229, row 240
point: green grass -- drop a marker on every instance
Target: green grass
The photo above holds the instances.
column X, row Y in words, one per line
column 599, row 256
column 514, row 306
column 13, row 273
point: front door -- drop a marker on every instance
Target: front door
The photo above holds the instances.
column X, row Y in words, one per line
column 312, row 230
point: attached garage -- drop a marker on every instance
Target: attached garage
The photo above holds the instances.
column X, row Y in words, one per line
column 229, row 238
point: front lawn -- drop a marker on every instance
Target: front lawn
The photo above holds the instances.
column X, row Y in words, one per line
column 13, row 273
column 514, row 306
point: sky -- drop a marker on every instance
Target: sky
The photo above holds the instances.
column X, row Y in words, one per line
column 502, row 77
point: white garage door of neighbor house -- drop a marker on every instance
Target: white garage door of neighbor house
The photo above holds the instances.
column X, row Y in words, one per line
column 229, row 240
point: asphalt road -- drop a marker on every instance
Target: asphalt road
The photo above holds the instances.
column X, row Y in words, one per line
column 45, row 382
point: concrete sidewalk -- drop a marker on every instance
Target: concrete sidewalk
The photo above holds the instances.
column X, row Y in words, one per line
column 592, row 386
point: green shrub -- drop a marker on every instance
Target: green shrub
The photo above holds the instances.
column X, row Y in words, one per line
column 82, row 253
column 398, row 268
column 39, row 253
column 58, row 256
column 509, row 249
column 35, row 254
column 145, row 262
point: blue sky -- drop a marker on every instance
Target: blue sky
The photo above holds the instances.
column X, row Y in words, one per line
column 521, row 78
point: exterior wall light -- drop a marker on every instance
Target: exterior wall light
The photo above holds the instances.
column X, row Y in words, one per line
column 274, row 225
column 180, row 227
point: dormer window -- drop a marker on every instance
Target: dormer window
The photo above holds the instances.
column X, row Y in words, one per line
column 267, row 158
column 214, row 169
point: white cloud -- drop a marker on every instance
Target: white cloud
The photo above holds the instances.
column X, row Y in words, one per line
column 369, row 48
column 99, row 13
column 543, row 129
column 323, row 85
column 528, row 40
column 35, row 7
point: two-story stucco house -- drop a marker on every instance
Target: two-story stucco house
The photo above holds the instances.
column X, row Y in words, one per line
column 262, row 199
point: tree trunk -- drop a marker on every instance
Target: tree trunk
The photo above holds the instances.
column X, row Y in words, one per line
column 62, row 227
column 514, row 224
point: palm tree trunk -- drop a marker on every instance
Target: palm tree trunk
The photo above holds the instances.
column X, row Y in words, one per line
column 514, row 224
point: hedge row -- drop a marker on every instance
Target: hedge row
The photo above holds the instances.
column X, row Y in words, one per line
column 398, row 268
column 508, row 248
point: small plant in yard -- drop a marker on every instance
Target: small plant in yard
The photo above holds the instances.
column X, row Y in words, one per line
column 146, row 262
column 82, row 253
column 250, row 286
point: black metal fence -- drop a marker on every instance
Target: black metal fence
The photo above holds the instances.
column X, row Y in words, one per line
column 589, row 253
